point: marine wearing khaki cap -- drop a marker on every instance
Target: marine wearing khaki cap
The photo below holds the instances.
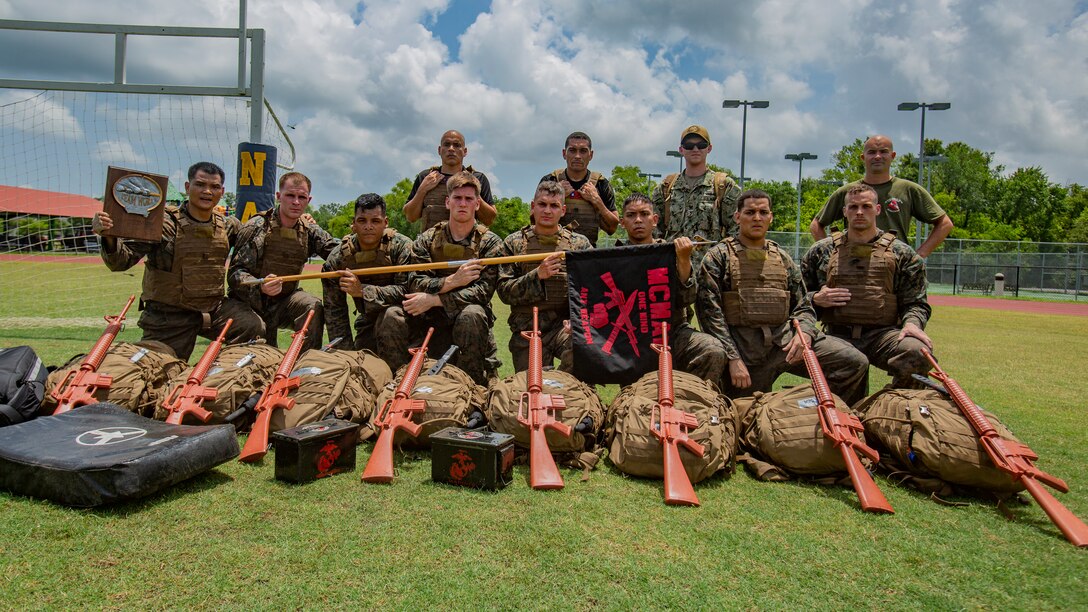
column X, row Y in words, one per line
column 698, row 202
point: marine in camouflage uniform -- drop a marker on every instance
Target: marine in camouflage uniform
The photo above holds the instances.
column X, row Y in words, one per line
column 693, row 351
column 427, row 198
column 870, row 290
column 750, row 291
column 372, row 294
column 457, row 303
column 183, row 274
column 588, row 196
column 541, row 284
column 698, row 203
column 278, row 242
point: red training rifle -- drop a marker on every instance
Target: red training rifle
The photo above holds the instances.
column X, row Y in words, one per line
column 275, row 396
column 1016, row 459
column 78, row 386
column 843, row 429
column 536, row 411
column 188, row 398
column 671, row 427
column 396, row 414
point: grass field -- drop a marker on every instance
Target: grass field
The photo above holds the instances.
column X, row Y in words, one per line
column 237, row 538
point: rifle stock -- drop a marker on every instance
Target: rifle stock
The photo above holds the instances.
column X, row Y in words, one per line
column 188, row 398
column 275, row 396
column 396, row 414
column 1016, row 459
column 843, row 430
column 536, row 411
column 671, row 427
column 78, row 386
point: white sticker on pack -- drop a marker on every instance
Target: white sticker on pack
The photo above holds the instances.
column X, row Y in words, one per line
column 307, row 371
column 808, row 402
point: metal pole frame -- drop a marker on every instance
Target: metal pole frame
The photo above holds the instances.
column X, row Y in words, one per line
column 921, row 165
column 743, row 141
column 255, row 91
column 797, row 230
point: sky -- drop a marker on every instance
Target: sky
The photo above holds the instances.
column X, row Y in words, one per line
column 370, row 86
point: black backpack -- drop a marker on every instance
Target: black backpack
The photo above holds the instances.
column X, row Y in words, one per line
column 22, row 384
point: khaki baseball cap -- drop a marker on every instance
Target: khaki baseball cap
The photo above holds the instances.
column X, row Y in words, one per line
column 697, row 130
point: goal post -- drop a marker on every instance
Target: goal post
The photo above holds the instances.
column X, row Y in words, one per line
column 58, row 139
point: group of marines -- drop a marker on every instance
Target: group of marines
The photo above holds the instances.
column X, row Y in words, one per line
column 867, row 288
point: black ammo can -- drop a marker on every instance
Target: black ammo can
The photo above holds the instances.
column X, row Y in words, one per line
column 472, row 458
column 315, row 450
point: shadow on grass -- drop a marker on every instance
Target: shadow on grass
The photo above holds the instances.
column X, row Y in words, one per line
column 716, row 481
column 207, row 481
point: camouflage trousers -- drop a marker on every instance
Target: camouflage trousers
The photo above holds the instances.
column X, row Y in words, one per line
column 178, row 328
column 844, row 367
column 697, row 353
column 554, row 336
column 470, row 330
column 388, row 336
column 289, row 312
column 899, row 358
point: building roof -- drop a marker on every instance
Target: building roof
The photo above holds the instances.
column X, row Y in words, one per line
column 36, row 202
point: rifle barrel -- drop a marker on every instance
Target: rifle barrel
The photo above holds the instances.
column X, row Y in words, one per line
column 1015, row 459
column 275, row 396
column 841, row 428
column 396, row 414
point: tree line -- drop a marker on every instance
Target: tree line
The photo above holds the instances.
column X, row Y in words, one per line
column 984, row 200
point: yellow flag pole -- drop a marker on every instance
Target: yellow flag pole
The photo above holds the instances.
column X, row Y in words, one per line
column 436, row 265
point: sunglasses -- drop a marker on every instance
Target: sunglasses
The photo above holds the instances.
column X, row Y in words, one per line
column 690, row 146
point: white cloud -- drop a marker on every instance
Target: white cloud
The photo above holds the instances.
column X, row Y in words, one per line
column 370, row 87
column 117, row 153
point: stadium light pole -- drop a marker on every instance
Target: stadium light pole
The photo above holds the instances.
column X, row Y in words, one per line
column 800, row 159
column 650, row 176
column 913, row 106
column 676, row 154
column 929, row 160
column 744, row 125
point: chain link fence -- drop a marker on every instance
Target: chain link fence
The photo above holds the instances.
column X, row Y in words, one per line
column 1044, row 270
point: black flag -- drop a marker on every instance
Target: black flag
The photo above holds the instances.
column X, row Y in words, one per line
column 618, row 299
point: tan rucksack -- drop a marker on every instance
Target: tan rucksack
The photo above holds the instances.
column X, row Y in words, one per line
column 921, row 433
column 141, row 373
column 581, row 449
column 635, row 450
column 238, row 372
column 451, row 396
column 781, row 437
column 344, row 384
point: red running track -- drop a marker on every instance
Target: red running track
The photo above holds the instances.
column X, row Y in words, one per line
column 1050, row 308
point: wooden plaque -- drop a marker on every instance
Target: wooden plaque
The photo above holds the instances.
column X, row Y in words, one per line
column 135, row 201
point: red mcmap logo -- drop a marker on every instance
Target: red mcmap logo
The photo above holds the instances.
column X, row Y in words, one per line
column 648, row 307
column 462, row 466
column 326, row 458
